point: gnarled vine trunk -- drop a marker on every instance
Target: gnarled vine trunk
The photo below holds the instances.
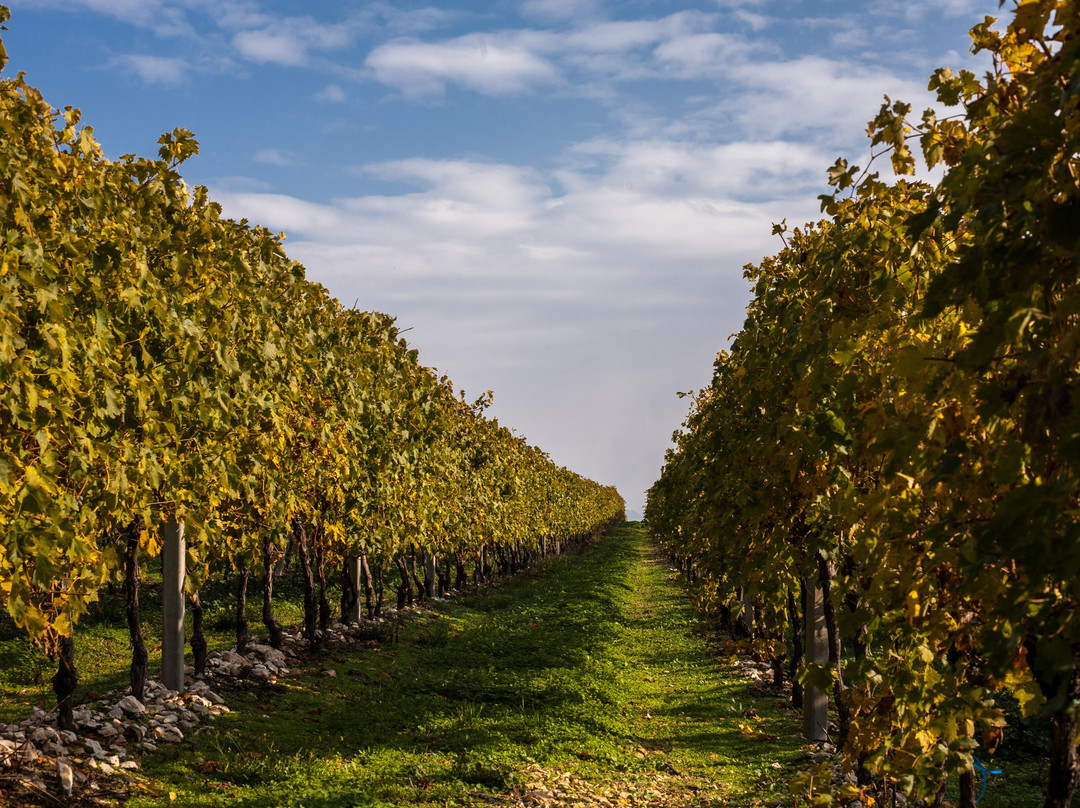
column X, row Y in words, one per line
column 310, row 604
column 320, row 572
column 350, row 591
column 404, row 593
column 461, row 573
column 64, row 681
column 1064, row 764
column 139, row 655
column 826, row 572
column 198, row 638
column 273, row 627
column 369, row 588
column 241, row 609
column 795, row 617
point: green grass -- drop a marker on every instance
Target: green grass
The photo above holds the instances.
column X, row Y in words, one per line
column 588, row 679
column 102, row 647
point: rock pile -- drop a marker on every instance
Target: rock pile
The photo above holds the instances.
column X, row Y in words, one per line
column 111, row 732
column 37, row 755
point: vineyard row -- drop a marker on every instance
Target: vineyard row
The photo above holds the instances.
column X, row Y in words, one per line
column 894, row 434
column 170, row 382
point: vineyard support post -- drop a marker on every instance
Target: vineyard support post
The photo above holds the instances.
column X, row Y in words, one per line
column 352, row 569
column 173, row 563
column 815, row 703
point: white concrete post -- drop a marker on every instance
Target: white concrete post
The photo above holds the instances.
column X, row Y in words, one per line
column 352, row 569
column 816, row 703
column 173, row 569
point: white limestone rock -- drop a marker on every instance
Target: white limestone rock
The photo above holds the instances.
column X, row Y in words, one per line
column 66, row 775
column 43, row 735
column 132, row 706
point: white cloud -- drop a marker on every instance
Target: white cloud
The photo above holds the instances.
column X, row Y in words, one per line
column 517, row 61
column 268, row 46
column 812, row 96
column 232, row 15
column 621, row 36
column 401, row 22
column 739, row 171
column 650, row 204
column 490, row 64
column 241, row 184
column 287, row 41
column 609, row 274
column 920, row 10
column 701, row 55
column 536, row 285
column 330, row 94
column 757, row 22
column 276, row 157
column 466, row 180
column 153, row 69
column 157, row 15
column 281, row 212
column 560, row 10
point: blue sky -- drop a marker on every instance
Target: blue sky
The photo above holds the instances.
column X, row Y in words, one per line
column 556, row 196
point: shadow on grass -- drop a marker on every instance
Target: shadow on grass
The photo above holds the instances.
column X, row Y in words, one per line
column 467, row 697
column 102, row 645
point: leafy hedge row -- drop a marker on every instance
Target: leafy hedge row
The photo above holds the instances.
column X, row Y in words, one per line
column 899, row 422
column 159, row 361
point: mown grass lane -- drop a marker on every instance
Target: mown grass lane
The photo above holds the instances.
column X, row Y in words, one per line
column 586, row 684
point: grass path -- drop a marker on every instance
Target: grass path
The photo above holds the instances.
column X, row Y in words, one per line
column 717, row 732
column 584, row 685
